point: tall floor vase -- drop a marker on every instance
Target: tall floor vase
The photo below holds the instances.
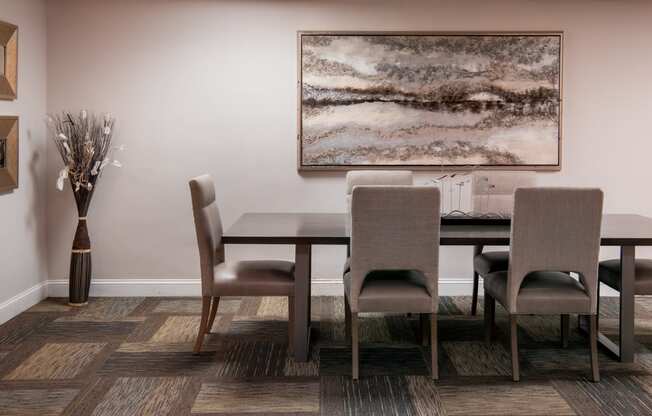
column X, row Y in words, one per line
column 80, row 258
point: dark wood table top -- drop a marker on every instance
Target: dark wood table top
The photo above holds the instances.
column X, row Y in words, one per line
column 331, row 229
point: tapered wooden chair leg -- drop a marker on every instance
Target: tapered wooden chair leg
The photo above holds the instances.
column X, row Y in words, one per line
column 211, row 319
column 513, row 334
column 347, row 320
column 423, row 323
column 474, row 299
column 205, row 310
column 354, row 346
column 489, row 317
column 565, row 330
column 593, row 339
column 433, row 347
column 291, row 324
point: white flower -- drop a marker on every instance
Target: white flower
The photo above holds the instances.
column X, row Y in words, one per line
column 89, row 186
column 117, row 164
column 107, row 130
column 65, row 145
column 96, row 168
column 62, row 136
column 84, row 114
column 77, row 186
column 63, row 174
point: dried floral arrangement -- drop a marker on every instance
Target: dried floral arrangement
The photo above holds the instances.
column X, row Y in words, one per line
column 84, row 143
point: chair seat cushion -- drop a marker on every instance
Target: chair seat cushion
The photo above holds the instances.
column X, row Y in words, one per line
column 541, row 293
column 609, row 274
column 254, row 278
column 491, row 261
column 398, row 291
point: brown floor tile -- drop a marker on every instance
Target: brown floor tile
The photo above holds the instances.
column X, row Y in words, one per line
column 142, row 396
column 256, row 395
column 35, row 402
column 507, row 398
column 56, row 361
column 478, row 359
column 177, row 329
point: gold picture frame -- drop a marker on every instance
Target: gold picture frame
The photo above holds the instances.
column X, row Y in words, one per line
column 328, row 157
column 9, row 72
column 8, row 153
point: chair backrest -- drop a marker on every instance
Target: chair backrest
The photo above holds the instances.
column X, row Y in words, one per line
column 377, row 177
column 374, row 177
column 493, row 191
column 395, row 228
column 208, row 227
column 555, row 229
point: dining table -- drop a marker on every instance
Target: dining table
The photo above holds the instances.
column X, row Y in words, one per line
column 304, row 230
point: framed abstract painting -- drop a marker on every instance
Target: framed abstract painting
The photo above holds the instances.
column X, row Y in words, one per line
column 429, row 100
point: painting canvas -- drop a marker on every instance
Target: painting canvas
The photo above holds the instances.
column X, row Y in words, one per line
column 430, row 100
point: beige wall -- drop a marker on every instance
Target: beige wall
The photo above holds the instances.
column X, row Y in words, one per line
column 22, row 212
column 209, row 86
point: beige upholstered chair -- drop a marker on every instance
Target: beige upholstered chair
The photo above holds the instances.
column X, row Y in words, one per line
column 242, row 278
column 394, row 257
column 493, row 192
column 553, row 230
column 372, row 177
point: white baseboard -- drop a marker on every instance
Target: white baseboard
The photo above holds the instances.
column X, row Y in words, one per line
column 189, row 287
column 192, row 287
column 132, row 287
column 23, row 301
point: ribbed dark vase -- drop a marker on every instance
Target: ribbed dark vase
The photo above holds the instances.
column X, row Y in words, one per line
column 80, row 258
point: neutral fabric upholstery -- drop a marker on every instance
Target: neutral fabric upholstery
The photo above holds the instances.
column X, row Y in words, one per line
column 609, row 273
column 392, row 291
column 538, row 290
column 491, row 261
column 372, row 177
column 247, row 278
column 377, row 177
column 554, row 229
column 394, row 228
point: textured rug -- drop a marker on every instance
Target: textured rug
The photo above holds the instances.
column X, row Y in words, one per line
column 128, row 356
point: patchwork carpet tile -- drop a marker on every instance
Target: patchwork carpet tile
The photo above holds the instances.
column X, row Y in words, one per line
column 262, row 396
column 22, row 402
column 478, row 359
column 143, row 396
column 177, row 329
column 133, row 356
column 56, row 361
column 506, row 398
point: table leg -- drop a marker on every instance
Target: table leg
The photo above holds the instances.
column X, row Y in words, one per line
column 302, row 301
column 624, row 350
column 476, row 279
column 627, row 302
